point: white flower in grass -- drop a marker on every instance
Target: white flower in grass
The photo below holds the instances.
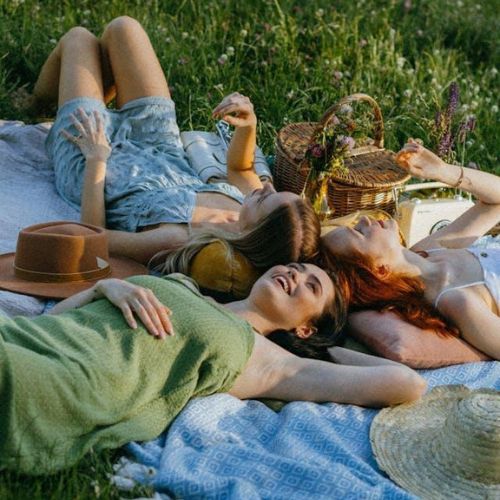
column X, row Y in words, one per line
column 184, row 35
column 400, row 62
column 53, row 41
column 230, row 51
column 222, row 59
column 407, row 93
column 290, row 94
column 320, row 13
column 494, row 108
column 494, row 71
column 168, row 39
column 243, row 33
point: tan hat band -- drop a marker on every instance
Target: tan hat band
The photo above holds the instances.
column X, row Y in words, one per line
column 27, row 274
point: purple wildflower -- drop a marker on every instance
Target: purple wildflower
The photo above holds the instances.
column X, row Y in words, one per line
column 453, row 97
column 334, row 120
column 345, row 141
column 445, row 145
column 317, row 151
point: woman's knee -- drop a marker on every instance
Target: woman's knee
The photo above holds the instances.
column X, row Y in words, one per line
column 79, row 37
column 122, row 27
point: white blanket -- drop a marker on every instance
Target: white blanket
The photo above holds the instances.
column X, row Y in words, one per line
column 27, row 196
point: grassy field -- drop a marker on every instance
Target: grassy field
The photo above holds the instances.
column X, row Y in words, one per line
column 294, row 59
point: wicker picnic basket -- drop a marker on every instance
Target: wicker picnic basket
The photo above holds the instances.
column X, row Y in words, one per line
column 372, row 170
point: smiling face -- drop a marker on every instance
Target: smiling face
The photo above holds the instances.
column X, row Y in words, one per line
column 376, row 239
column 261, row 202
column 293, row 295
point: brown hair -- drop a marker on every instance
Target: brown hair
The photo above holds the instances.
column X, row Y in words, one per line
column 290, row 233
column 329, row 325
column 399, row 293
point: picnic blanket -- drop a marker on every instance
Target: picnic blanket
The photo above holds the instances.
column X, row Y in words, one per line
column 219, row 446
column 27, row 196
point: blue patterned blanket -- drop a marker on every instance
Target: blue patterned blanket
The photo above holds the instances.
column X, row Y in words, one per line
column 221, row 447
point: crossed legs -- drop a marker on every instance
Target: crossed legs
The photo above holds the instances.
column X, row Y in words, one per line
column 123, row 62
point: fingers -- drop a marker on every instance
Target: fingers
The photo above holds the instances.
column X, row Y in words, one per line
column 128, row 315
column 152, row 313
column 99, row 122
column 69, row 136
column 235, row 102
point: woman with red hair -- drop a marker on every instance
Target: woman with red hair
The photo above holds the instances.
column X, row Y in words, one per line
column 441, row 283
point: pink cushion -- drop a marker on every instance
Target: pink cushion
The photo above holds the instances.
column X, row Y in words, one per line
column 389, row 336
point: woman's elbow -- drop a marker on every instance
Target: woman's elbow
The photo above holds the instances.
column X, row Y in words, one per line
column 411, row 386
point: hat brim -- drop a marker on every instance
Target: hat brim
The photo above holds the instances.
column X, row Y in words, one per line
column 405, row 442
column 121, row 267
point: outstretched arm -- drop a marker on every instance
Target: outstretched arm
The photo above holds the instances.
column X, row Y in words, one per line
column 95, row 148
column 237, row 110
column 474, row 223
column 366, row 380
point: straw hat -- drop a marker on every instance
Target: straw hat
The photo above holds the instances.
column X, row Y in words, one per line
column 59, row 259
column 447, row 445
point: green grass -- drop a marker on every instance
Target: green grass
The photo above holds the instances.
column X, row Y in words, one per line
column 294, row 59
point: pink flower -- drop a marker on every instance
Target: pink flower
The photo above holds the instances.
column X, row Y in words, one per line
column 346, row 141
column 316, row 151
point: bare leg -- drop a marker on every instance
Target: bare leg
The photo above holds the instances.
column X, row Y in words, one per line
column 73, row 69
column 135, row 67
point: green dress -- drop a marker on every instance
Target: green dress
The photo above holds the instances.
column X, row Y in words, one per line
column 84, row 379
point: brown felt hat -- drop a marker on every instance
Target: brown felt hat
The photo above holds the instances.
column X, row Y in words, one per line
column 59, row 259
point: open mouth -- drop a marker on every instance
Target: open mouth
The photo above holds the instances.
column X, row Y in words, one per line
column 283, row 282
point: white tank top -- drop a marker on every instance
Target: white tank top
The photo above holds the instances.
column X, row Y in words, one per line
column 489, row 259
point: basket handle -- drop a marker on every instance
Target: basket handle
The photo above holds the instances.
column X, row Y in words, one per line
column 377, row 114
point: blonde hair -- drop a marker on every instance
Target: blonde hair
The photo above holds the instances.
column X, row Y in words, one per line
column 290, row 233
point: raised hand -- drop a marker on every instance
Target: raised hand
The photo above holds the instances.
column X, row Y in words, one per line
column 237, row 110
column 419, row 161
column 141, row 302
column 92, row 140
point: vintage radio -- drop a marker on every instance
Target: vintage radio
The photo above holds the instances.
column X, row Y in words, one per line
column 419, row 218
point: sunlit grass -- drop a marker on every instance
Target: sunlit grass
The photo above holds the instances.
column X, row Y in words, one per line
column 294, row 59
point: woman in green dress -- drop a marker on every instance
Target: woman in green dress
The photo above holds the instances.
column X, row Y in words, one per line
column 118, row 361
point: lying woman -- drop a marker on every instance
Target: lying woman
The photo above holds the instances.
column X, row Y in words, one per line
column 139, row 183
column 441, row 284
column 97, row 379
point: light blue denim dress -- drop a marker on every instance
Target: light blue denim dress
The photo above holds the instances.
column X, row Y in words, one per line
column 148, row 177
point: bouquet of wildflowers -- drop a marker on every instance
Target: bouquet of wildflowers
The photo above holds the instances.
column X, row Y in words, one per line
column 326, row 153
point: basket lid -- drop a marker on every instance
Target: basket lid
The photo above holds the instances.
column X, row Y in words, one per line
column 375, row 167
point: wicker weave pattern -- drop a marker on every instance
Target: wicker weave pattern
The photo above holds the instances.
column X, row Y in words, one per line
column 373, row 171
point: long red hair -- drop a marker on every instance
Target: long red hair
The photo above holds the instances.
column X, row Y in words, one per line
column 401, row 294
